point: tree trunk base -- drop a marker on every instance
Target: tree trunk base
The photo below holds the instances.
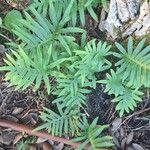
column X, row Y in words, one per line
column 125, row 18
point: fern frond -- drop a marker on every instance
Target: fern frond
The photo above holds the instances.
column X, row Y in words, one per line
column 113, row 83
column 134, row 64
column 79, row 8
column 39, row 30
column 86, row 5
column 93, row 59
column 58, row 124
column 25, row 144
column 127, row 101
column 92, row 134
column 125, row 97
column 24, row 71
column 70, row 92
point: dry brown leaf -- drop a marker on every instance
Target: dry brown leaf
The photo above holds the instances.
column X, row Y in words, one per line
column 122, row 132
column 32, row 147
column 8, row 137
column 21, row 4
column 130, row 138
column 137, row 146
column 116, row 124
column 129, row 148
column 2, row 49
column 123, row 143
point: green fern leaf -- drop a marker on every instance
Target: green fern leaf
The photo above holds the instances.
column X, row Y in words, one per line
column 134, row 63
column 127, row 101
column 74, row 8
column 91, row 134
column 70, row 92
column 93, row 59
column 113, row 83
column 37, row 29
column 24, row 71
column 64, row 122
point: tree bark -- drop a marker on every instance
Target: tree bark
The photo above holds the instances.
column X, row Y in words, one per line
column 125, row 18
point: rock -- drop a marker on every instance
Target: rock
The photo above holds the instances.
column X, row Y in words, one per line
column 112, row 22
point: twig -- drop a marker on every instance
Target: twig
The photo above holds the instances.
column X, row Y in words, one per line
column 41, row 134
column 130, row 116
column 139, row 128
column 5, row 37
column 136, row 113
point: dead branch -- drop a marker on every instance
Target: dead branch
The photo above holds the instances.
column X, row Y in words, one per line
column 29, row 131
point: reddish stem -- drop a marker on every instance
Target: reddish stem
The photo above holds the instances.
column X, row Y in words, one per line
column 29, row 131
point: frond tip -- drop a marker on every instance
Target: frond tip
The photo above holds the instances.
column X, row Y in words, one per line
column 92, row 134
column 93, row 59
column 134, row 64
column 127, row 101
column 113, row 83
column 64, row 122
